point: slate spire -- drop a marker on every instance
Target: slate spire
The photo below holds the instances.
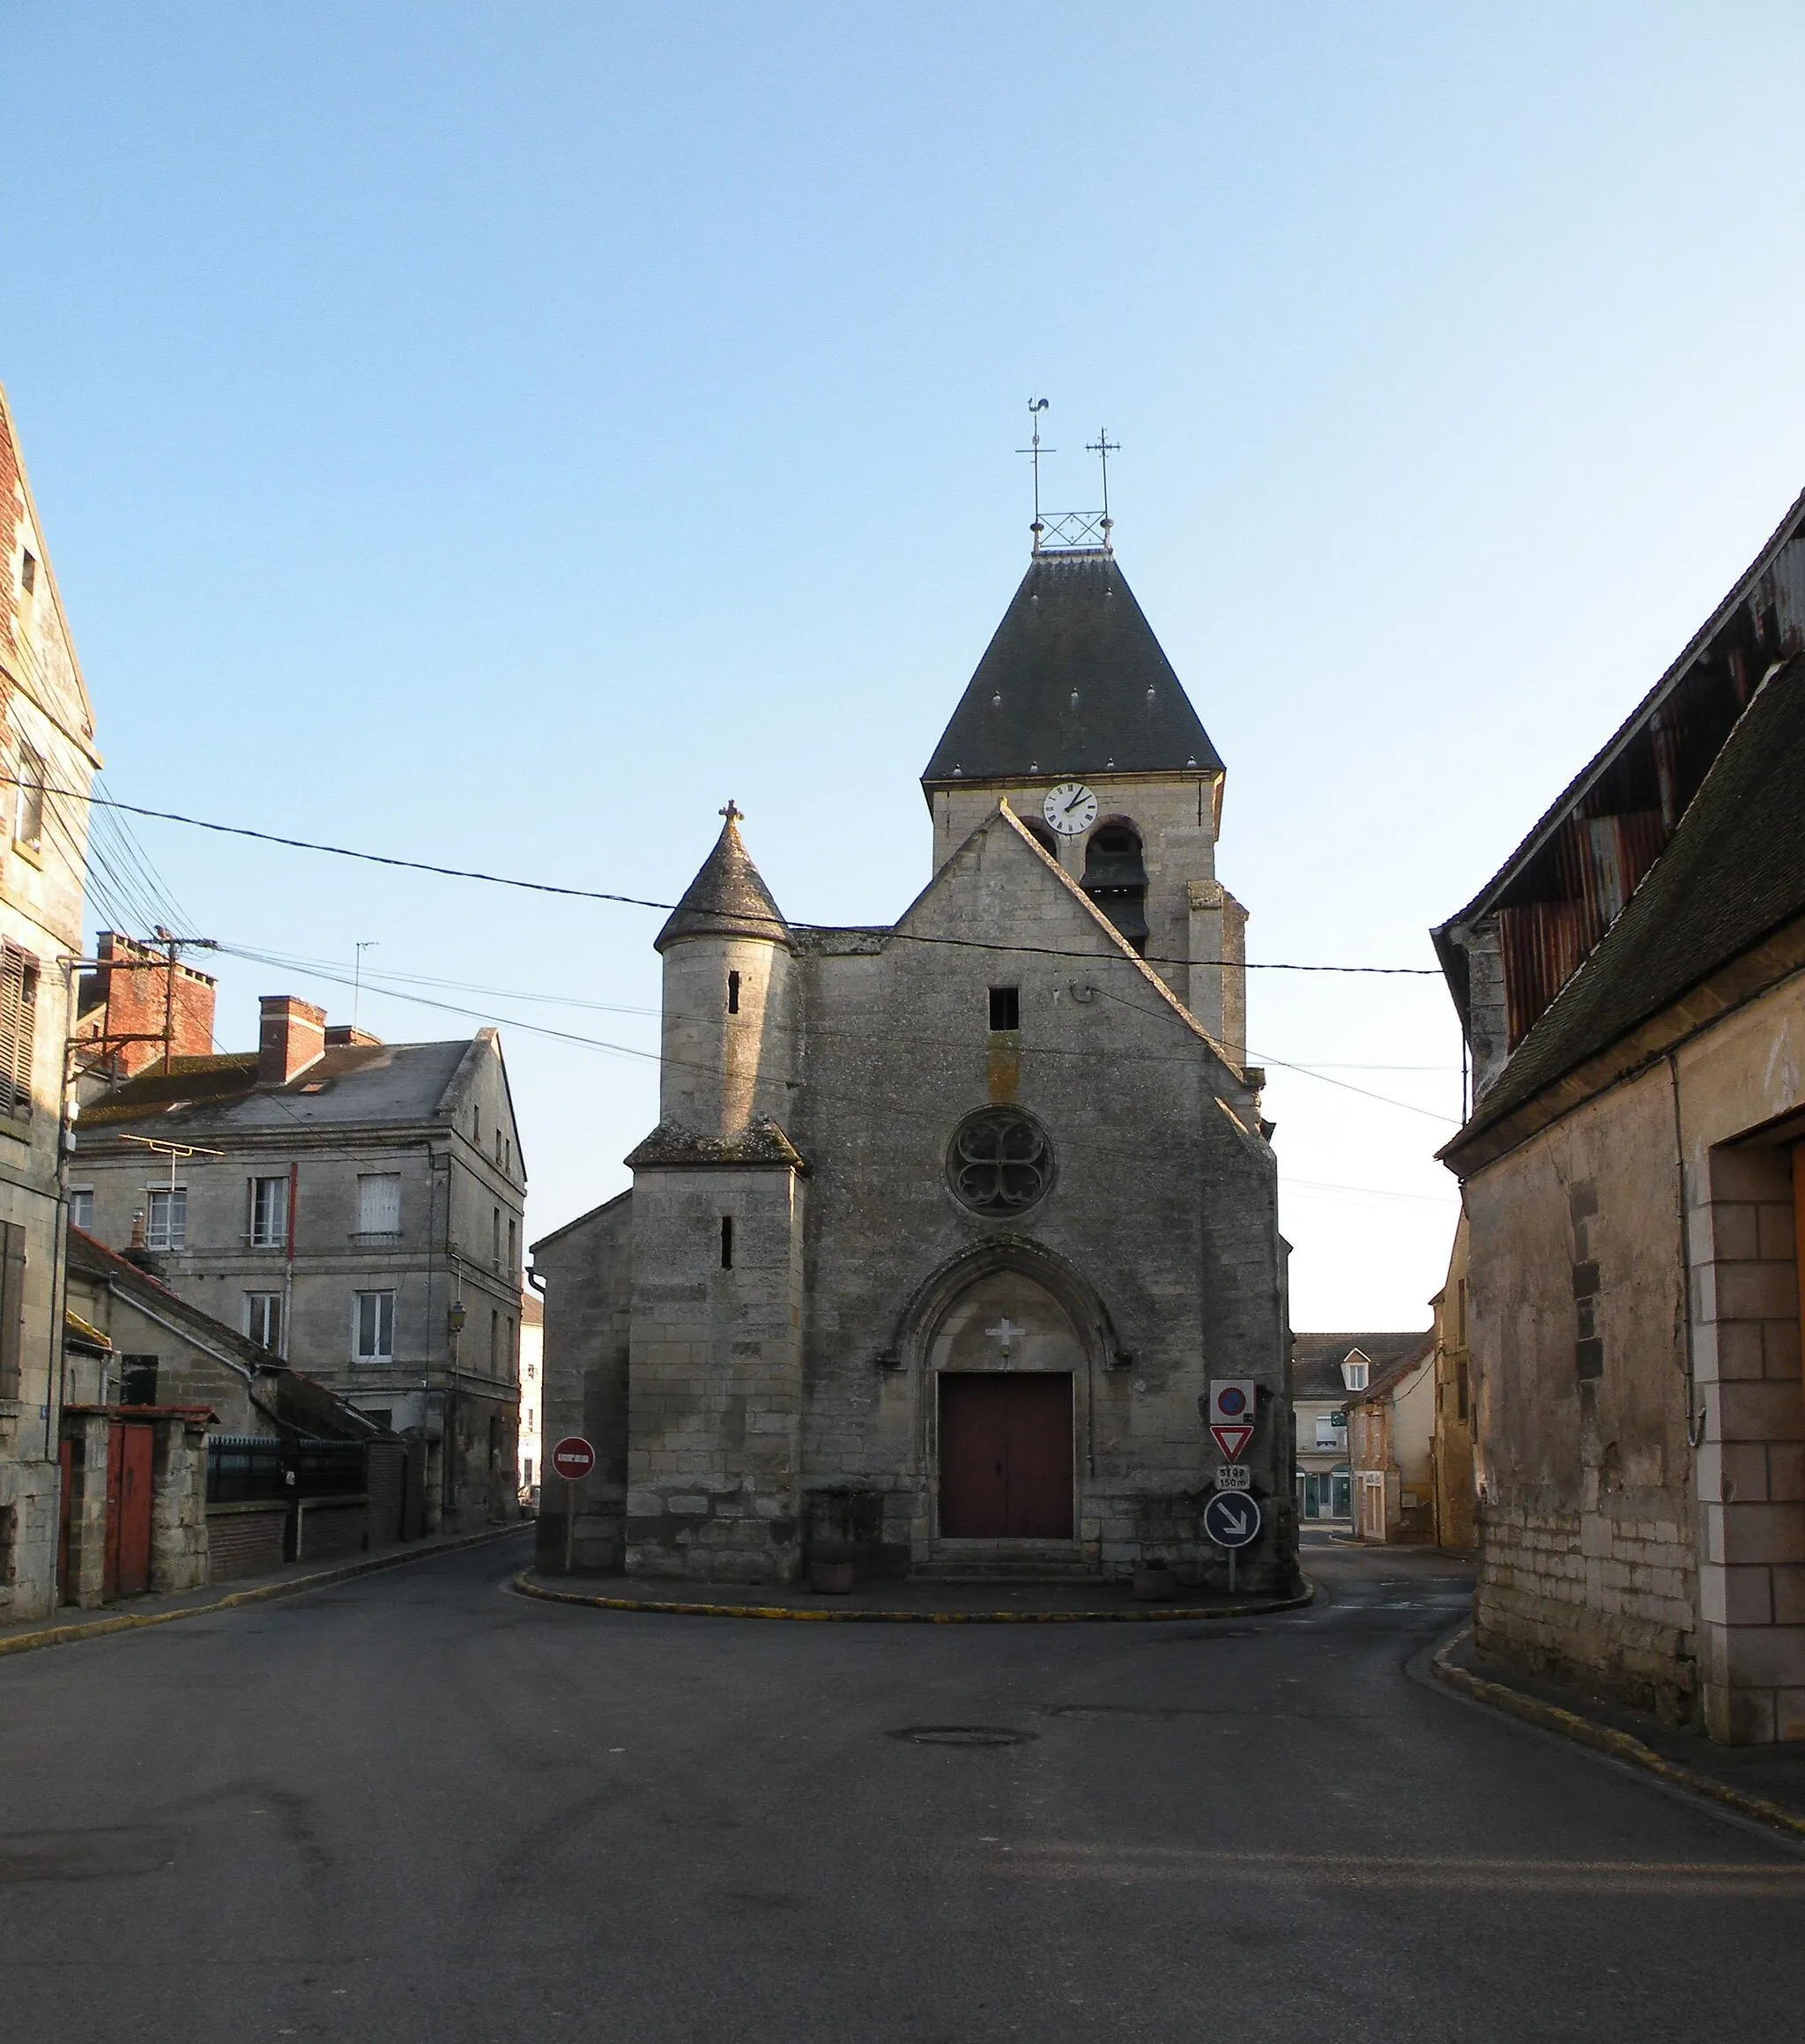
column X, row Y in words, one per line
column 1073, row 682
column 728, row 898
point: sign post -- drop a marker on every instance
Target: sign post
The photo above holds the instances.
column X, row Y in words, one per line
column 572, row 1459
column 1231, row 1519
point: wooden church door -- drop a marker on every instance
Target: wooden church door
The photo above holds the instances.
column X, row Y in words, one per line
column 1006, row 1455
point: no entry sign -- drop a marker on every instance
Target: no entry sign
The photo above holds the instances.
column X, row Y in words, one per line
column 1233, row 1402
column 573, row 1458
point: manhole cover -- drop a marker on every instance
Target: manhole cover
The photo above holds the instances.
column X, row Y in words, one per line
column 964, row 1736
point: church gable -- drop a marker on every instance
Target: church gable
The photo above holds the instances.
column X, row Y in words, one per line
column 1000, row 887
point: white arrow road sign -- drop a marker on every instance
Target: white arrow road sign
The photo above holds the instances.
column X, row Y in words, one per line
column 1232, row 1520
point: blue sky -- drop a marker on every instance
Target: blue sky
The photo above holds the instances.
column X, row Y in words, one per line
column 498, row 435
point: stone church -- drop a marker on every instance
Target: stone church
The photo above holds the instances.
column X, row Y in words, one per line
column 946, row 1227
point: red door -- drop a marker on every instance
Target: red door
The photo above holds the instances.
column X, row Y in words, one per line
column 1006, row 1456
column 128, row 1459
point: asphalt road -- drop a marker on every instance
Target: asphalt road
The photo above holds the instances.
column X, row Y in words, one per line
column 416, row 1806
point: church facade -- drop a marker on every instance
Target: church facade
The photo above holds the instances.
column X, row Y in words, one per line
column 946, row 1227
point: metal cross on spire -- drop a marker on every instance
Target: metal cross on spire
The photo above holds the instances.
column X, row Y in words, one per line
column 732, row 811
column 1035, row 406
column 1103, row 447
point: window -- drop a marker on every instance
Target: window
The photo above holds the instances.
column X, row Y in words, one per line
column 1115, row 877
column 476, row 1123
column 138, row 1380
column 513, row 1243
column 1354, row 1375
column 381, row 1416
column 495, row 1339
column 1006, row 1008
column 732, row 994
column 999, row 1161
column 263, row 1319
column 81, row 1209
column 1328, row 1434
column 18, row 1031
column 1461, row 1393
column 269, row 1213
column 379, row 1203
column 513, row 1348
column 373, row 1323
column 28, row 572
column 166, row 1221
column 28, row 825
column 726, row 1241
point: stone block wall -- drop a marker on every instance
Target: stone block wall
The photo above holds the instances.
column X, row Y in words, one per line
column 1751, row 1462
column 179, row 1549
column 715, row 1384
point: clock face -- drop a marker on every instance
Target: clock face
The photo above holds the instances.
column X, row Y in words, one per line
column 1069, row 808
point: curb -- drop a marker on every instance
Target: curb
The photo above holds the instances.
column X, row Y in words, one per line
column 1607, row 1740
column 673, row 1608
column 134, row 1621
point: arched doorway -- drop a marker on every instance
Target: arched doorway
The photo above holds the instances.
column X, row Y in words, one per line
column 1005, row 1362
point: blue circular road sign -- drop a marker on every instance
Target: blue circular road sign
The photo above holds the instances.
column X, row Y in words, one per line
column 1231, row 1519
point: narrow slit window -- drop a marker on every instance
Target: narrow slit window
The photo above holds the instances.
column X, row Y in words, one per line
column 732, row 994
column 1006, row 1008
column 726, row 1241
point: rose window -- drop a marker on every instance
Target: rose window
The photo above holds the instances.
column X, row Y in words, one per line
column 1000, row 1161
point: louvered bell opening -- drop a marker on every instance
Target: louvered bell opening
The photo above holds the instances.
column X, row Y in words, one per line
column 1116, row 880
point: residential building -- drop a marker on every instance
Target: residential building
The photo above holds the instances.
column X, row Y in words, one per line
column 156, row 1395
column 1391, row 1450
column 353, row 1207
column 1326, row 1371
column 532, row 1386
column 945, row 1225
column 1633, row 987
column 47, row 759
column 1456, row 1520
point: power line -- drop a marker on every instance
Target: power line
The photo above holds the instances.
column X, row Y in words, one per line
column 641, row 902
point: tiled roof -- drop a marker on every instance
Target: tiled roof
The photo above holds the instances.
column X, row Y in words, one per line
column 351, row 1084
column 1733, row 874
column 1073, row 682
column 1317, row 1359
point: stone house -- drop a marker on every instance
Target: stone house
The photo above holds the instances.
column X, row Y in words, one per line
column 1456, row 1520
column 1391, row 1450
column 48, row 761
column 1630, row 984
column 353, row 1207
column 1326, row 1371
column 946, row 1225
column 154, row 1390
column 532, row 1386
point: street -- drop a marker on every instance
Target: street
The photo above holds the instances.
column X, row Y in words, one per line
column 418, row 1806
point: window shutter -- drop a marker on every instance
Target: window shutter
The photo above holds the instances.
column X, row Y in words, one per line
column 15, row 1032
column 379, row 1204
column 11, row 1306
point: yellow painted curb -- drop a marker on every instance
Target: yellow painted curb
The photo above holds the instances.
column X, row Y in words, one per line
column 1607, row 1739
column 674, row 1608
column 134, row 1621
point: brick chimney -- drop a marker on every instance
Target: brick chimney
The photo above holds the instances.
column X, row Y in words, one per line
column 291, row 1036
column 133, row 993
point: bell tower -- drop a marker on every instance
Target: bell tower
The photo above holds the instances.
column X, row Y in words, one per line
column 1075, row 715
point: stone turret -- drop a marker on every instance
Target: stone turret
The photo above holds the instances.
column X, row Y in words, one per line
column 727, row 1026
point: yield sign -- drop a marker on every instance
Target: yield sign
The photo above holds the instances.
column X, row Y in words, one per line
column 1232, row 1439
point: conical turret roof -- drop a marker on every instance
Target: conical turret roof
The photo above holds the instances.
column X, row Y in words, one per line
column 727, row 898
column 1073, row 682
